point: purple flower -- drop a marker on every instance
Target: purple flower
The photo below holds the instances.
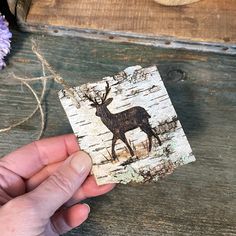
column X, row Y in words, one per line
column 5, row 36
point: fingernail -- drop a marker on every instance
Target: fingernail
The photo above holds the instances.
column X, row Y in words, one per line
column 81, row 163
column 88, row 207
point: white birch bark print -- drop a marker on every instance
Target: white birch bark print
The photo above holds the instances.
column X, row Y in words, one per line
column 128, row 126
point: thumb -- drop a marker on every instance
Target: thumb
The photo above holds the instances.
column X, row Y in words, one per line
column 61, row 185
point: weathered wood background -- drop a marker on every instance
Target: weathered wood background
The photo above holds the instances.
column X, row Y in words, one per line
column 207, row 20
column 199, row 198
column 139, row 21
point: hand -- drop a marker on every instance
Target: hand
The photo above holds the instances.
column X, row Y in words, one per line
column 41, row 186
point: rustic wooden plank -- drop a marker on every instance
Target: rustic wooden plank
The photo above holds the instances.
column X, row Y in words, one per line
column 205, row 21
column 198, row 199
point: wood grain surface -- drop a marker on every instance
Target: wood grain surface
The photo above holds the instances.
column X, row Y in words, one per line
column 205, row 21
column 175, row 2
column 199, row 198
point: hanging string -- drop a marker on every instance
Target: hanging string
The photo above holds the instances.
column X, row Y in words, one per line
column 57, row 78
column 39, row 99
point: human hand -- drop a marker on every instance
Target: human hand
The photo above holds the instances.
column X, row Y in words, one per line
column 41, row 185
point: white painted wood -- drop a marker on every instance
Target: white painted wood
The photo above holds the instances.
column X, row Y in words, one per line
column 135, row 86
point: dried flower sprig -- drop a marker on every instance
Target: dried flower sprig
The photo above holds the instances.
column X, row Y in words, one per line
column 5, row 36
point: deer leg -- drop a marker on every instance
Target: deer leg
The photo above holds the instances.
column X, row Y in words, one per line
column 123, row 138
column 150, row 143
column 146, row 127
column 114, row 139
column 157, row 137
column 149, row 133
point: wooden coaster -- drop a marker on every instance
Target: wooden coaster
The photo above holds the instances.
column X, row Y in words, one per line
column 128, row 126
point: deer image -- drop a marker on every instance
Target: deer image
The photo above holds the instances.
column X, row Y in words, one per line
column 120, row 123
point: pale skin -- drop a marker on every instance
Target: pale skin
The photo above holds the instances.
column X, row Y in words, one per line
column 42, row 185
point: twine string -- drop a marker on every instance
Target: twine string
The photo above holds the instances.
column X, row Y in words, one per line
column 57, row 78
column 38, row 107
column 25, row 81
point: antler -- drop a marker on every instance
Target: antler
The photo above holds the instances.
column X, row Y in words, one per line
column 108, row 89
column 94, row 101
column 103, row 98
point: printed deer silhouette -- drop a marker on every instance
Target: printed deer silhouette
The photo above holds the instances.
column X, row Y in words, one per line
column 120, row 123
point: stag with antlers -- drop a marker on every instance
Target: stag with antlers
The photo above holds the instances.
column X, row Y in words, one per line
column 120, row 123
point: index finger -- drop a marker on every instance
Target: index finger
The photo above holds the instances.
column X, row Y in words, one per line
column 28, row 160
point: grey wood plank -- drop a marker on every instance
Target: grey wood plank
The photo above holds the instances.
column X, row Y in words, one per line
column 198, row 199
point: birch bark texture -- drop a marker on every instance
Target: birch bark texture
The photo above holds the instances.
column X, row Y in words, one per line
column 128, row 125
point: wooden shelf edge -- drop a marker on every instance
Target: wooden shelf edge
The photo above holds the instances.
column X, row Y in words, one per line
column 126, row 37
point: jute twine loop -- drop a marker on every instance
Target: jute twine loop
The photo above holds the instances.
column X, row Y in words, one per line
column 39, row 99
